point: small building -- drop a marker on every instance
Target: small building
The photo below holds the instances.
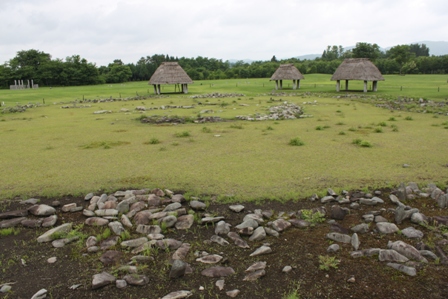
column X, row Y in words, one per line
column 357, row 69
column 287, row 72
column 170, row 73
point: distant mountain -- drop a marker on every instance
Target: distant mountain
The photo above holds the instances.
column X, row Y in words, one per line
column 435, row 48
column 309, row 56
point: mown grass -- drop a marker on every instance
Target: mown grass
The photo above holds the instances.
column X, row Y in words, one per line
column 49, row 151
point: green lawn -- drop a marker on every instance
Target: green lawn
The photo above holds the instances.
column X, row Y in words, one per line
column 48, row 151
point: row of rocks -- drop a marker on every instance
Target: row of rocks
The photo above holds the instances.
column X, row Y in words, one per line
column 285, row 111
column 153, row 214
column 217, row 95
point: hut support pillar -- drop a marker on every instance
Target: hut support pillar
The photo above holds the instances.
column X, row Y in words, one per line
column 298, row 84
column 281, row 84
column 155, row 89
column 346, row 85
column 276, row 84
column 375, row 86
column 185, row 88
column 365, row 86
column 338, row 85
column 294, row 84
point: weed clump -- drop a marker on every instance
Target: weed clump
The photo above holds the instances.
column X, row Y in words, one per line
column 296, row 142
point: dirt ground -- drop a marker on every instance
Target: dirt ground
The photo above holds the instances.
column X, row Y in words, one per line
column 364, row 277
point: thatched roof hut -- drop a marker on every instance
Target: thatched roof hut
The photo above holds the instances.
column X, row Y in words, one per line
column 170, row 73
column 357, row 69
column 287, row 72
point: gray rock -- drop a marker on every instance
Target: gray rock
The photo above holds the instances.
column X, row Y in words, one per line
column 168, row 221
column 148, row 229
column 181, row 252
column 134, row 242
column 178, row 198
column 371, row 251
column 125, row 221
column 218, row 271
column 338, row 213
column 333, row 248
column 116, row 227
column 407, row 250
column 88, row 212
column 121, row 283
column 287, row 269
column 436, row 193
column 210, row 259
column 5, row 288
column 442, row 201
column 256, row 266
column 91, row 241
column 428, row 253
column 368, row 201
column 31, row 223
column 258, row 234
column 106, row 212
column 42, row 293
column 198, row 205
column 390, row 255
column 136, row 279
column 326, row 199
column 237, row 240
column 14, row 214
column 356, row 254
column 261, row 251
column 156, row 236
column 217, row 239
column 142, row 217
column 101, row 280
column 96, row 221
column 418, row 218
column 185, row 222
column 252, row 276
column 236, row 208
column 280, row 225
column 31, row 201
column 178, row 269
column 248, row 223
column 394, row 199
column 171, row 244
column 368, row 218
column 257, row 217
column 220, row 284
column 172, row 207
column 402, row 268
column 233, row 293
column 123, row 207
column 206, row 220
column 380, row 218
column 49, row 235
column 178, row 295
column 49, row 221
column 339, row 237
column 42, row 210
column 386, row 227
column 271, row 232
column 222, row 228
column 247, row 231
column 62, row 242
column 299, row 223
column 355, row 241
column 412, row 233
column 158, row 215
column 360, row 228
column 377, row 199
column 109, row 242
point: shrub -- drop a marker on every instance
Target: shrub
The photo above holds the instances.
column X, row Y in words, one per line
column 183, row 134
column 392, row 119
column 378, row 130
column 319, row 128
column 312, row 217
column 382, row 124
column 206, row 130
column 327, row 262
column 365, row 144
column 239, row 127
column 296, row 142
column 408, row 118
column 342, row 133
column 153, row 141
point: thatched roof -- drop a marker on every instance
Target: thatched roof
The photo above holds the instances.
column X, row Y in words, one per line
column 357, row 69
column 170, row 73
column 287, row 72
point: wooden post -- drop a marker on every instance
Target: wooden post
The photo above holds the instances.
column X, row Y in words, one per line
column 276, row 84
column 281, row 84
column 155, row 89
column 375, row 85
column 346, row 85
column 365, row 86
column 338, row 85
column 298, row 84
column 294, row 86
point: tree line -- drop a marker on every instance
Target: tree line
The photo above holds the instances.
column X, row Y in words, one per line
column 75, row 70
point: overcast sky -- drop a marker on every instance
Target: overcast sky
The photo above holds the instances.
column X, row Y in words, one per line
column 103, row 30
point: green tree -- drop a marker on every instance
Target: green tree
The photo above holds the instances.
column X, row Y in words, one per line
column 366, row 50
column 401, row 54
column 419, row 49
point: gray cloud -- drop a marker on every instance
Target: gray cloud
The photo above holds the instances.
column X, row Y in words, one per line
column 103, row 30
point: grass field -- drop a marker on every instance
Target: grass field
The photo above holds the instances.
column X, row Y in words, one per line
column 49, row 151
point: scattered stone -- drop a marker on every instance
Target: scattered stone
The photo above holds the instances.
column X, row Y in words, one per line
column 407, row 250
column 136, row 279
column 333, row 248
column 412, row 233
column 233, row 293
column 42, row 210
column 355, row 241
column 220, row 284
column 261, row 250
column 217, row 239
column 222, row 228
column 252, row 276
column 236, row 208
column 387, row 227
column 42, row 293
column 237, row 240
column 206, row 220
column 339, row 237
column 178, row 269
column 390, row 255
column 210, row 259
column 361, row 228
column 287, row 269
column 178, row 295
column 101, row 280
column 402, row 268
column 134, row 242
column 121, row 283
column 280, row 225
column 96, row 221
column 338, row 213
column 50, row 235
column 184, row 222
column 111, row 257
column 52, row 260
column 31, row 201
column 62, row 242
column 198, row 205
column 258, row 234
